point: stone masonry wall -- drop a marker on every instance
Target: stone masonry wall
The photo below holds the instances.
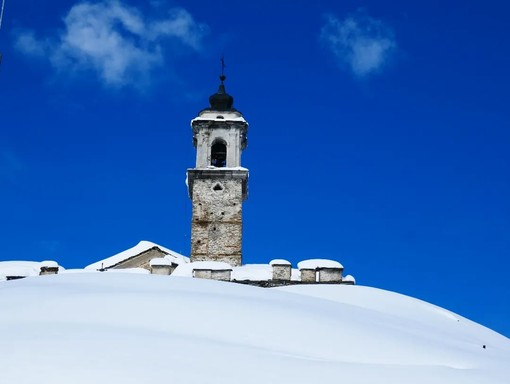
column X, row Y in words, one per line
column 216, row 229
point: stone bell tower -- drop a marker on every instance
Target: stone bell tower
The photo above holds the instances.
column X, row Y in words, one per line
column 218, row 184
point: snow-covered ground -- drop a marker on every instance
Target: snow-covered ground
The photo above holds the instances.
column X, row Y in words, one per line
column 133, row 328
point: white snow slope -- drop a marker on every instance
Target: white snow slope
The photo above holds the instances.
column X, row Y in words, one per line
column 130, row 328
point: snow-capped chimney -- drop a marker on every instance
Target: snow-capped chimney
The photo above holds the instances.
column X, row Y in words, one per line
column 48, row 267
column 329, row 271
column 282, row 270
column 162, row 266
column 214, row 270
column 308, row 275
column 330, row 275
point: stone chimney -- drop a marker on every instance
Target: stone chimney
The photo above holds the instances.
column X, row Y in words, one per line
column 308, row 275
column 48, row 267
column 330, row 275
column 282, row 270
column 162, row 266
column 215, row 270
column 329, row 271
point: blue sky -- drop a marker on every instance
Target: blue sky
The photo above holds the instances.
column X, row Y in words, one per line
column 379, row 135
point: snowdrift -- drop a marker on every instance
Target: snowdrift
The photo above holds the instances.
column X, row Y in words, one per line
column 130, row 328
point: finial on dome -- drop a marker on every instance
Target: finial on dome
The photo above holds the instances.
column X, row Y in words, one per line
column 221, row 100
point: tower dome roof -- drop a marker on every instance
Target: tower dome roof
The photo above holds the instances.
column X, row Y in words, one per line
column 221, row 100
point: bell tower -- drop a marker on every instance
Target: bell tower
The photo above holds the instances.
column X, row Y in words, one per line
column 218, row 184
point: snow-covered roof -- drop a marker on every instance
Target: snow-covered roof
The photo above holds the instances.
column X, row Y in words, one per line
column 142, row 271
column 79, row 270
column 253, row 272
column 279, row 262
column 20, row 268
column 141, row 247
column 319, row 263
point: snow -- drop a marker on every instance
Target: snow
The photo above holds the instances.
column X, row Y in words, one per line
column 225, row 168
column 253, row 272
column 186, row 270
column 127, row 328
column 49, row 264
column 219, row 116
column 319, row 263
column 279, row 262
column 349, row 278
column 295, row 274
column 183, row 270
column 142, row 271
column 142, row 246
column 21, row 268
column 79, row 270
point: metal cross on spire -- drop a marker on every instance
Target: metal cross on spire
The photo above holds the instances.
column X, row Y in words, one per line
column 223, row 66
column 223, row 77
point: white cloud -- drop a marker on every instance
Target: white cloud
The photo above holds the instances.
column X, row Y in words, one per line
column 117, row 42
column 360, row 43
column 26, row 42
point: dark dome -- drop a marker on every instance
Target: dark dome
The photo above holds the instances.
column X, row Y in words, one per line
column 221, row 100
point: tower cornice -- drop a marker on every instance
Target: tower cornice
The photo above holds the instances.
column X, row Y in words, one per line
column 207, row 126
column 237, row 173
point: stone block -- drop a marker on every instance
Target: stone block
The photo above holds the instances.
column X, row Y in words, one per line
column 222, row 275
column 282, row 270
column 202, row 273
column 308, row 275
column 330, row 275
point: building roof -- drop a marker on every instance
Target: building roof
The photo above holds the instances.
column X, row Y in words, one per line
column 221, row 100
column 21, row 268
column 130, row 253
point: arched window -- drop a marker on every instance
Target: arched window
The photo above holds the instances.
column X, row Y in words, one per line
column 219, row 154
